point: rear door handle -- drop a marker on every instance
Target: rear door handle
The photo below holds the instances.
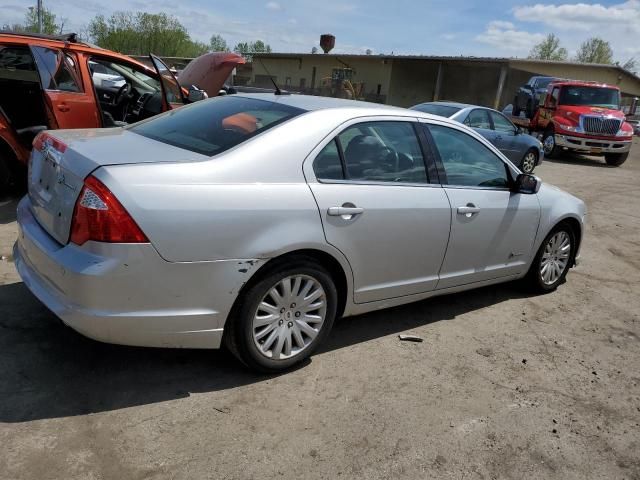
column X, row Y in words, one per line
column 469, row 210
column 63, row 107
column 344, row 211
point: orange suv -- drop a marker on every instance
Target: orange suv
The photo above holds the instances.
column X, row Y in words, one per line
column 51, row 82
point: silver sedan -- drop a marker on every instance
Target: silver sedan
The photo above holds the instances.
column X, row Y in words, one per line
column 522, row 149
column 254, row 221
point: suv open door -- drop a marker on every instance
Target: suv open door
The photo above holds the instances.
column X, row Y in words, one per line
column 172, row 94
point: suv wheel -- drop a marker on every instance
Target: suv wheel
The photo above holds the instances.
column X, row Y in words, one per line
column 283, row 317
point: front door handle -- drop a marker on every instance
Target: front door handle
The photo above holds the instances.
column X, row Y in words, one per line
column 469, row 210
column 344, row 211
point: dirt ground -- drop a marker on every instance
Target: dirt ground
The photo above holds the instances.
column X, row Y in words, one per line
column 505, row 385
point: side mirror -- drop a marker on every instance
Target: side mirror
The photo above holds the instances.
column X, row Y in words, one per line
column 196, row 94
column 528, row 184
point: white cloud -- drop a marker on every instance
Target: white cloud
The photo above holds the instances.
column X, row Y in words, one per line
column 505, row 38
column 275, row 6
column 587, row 17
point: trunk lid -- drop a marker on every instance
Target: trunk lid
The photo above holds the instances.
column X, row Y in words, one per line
column 61, row 160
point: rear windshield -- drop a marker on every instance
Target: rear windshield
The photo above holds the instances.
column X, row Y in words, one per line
column 212, row 126
column 592, row 96
column 435, row 109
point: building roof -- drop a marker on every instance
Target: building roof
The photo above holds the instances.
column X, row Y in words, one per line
column 508, row 60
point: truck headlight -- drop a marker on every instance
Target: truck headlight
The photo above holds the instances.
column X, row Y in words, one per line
column 569, row 128
column 623, row 133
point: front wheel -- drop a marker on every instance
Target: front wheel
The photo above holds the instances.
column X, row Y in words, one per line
column 529, row 161
column 549, row 144
column 284, row 317
column 553, row 260
column 616, row 159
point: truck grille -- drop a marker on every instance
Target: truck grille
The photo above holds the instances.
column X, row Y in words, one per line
column 601, row 125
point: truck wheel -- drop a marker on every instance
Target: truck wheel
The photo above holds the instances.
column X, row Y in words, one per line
column 616, row 159
column 516, row 109
column 549, row 144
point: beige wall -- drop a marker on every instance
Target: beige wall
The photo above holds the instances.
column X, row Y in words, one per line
column 372, row 71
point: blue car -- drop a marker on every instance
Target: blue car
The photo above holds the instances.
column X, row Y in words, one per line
column 522, row 149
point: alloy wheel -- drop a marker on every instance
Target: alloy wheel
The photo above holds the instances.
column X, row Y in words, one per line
column 555, row 257
column 289, row 317
column 529, row 162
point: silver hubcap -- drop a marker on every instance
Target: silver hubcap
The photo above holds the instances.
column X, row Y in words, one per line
column 289, row 317
column 555, row 258
column 529, row 162
column 549, row 143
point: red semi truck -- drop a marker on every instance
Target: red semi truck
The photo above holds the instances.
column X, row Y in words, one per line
column 582, row 117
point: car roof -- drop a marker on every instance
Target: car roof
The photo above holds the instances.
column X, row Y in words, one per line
column 56, row 41
column 461, row 106
column 311, row 102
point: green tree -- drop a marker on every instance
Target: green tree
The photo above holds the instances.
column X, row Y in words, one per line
column 247, row 49
column 138, row 33
column 49, row 24
column 549, row 49
column 631, row 65
column 595, row 50
column 218, row 44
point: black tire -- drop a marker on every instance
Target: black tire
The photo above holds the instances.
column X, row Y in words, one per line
column 528, row 167
column 529, row 109
column 516, row 109
column 549, row 153
column 534, row 280
column 5, row 178
column 616, row 159
column 239, row 331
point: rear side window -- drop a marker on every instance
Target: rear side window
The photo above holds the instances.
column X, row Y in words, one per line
column 373, row 152
column 212, row 126
column 56, row 70
column 478, row 118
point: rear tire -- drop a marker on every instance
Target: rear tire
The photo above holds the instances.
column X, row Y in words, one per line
column 529, row 161
column 529, row 109
column 271, row 330
column 553, row 260
column 616, row 159
column 516, row 109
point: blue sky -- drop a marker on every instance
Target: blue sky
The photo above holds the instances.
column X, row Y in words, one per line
column 432, row 27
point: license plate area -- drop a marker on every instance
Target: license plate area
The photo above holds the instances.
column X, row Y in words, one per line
column 596, row 150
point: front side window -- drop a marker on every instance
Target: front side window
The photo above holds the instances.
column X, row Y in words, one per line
column 210, row 127
column 466, row 161
column 501, row 124
column 56, row 70
column 380, row 152
column 478, row 118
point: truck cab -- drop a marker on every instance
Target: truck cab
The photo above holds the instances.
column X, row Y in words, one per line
column 583, row 117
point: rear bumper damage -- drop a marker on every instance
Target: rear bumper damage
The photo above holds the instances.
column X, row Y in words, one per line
column 126, row 293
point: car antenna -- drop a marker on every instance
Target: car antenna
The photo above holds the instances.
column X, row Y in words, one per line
column 278, row 91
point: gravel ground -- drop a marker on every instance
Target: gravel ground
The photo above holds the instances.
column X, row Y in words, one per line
column 506, row 385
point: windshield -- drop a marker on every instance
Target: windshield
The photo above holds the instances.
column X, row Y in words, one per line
column 591, row 96
column 210, row 127
column 436, row 109
column 543, row 83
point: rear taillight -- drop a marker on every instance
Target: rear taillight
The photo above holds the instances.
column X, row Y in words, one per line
column 43, row 139
column 99, row 216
